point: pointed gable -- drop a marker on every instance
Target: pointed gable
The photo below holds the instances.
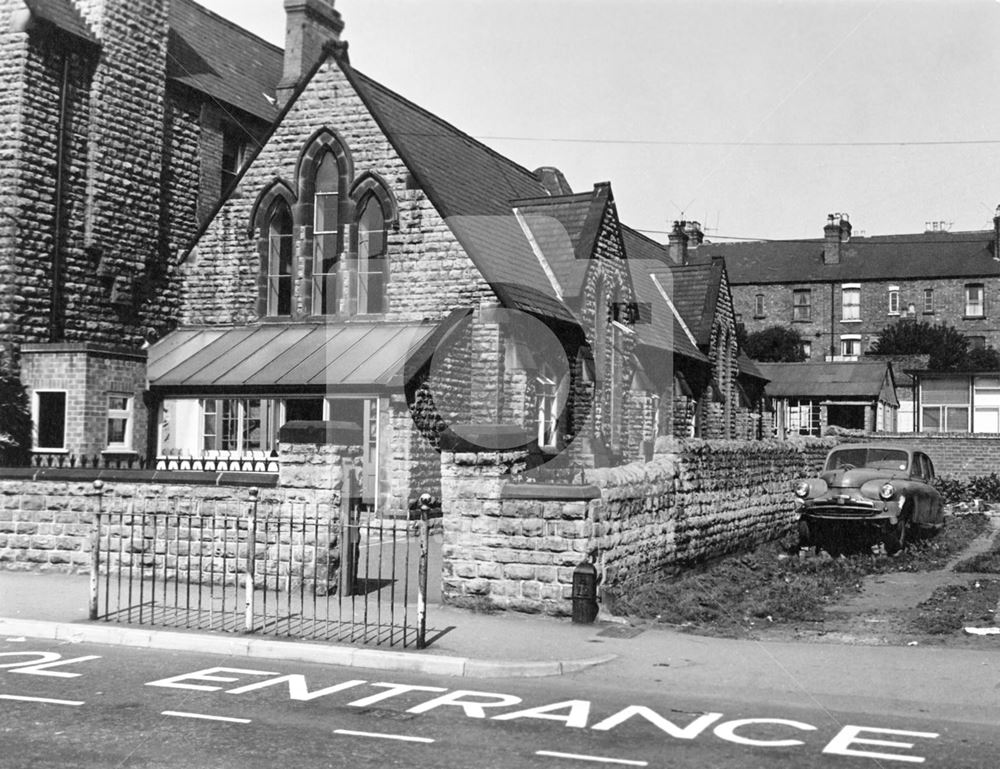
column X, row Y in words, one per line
column 697, row 290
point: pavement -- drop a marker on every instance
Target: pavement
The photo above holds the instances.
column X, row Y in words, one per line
column 478, row 645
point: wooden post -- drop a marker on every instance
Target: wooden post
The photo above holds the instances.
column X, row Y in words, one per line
column 425, row 500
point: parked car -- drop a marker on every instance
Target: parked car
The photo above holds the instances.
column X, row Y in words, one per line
column 869, row 493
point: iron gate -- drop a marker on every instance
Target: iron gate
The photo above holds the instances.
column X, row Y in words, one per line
column 276, row 569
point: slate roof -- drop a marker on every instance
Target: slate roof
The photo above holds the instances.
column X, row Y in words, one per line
column 901, row 364
column 566, row 229
column 472, row 186
column 218, row 58
column 696, row 295
column 62, row 14
column 862, row 379
column 884, row 257
column 658, row 327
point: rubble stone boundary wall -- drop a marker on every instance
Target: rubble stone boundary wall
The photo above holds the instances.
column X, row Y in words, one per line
column 515, row 545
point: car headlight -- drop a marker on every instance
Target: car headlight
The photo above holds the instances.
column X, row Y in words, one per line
column 888, row 491
column 802, row 489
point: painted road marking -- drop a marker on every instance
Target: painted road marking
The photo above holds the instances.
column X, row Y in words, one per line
column 401, row 737
column 598, row 759
column 205, row 717
column 44, row 700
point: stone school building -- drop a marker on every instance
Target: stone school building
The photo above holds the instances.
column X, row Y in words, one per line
column 280, row 238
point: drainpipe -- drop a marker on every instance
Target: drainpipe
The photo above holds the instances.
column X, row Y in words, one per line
column 56, row 312
column 833, row 344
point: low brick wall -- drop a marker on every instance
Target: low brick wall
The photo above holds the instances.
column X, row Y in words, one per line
column 515, row 545
column 955, row 455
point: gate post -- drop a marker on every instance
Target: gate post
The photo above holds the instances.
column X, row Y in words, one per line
column 251, row 560
column 350, row 531
column 425, row 504
column 95, row 551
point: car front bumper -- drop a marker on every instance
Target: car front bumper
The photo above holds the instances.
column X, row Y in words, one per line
column 845, row 507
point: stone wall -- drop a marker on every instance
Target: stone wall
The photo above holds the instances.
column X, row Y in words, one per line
column 515, row 545
column 429, row 272
column 46, row 515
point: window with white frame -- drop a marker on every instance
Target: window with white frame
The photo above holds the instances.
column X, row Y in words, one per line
column 894, row 300
column 928, row 301
column 851, row 302
column 49, row 415
column 120, row 421
column 548, row 415
column 944, row 405
column 975, row 306
column 232, row 425
column 986, row 394
column 368, row 287
column 327, row 243
column 758, row 306
column 279, row 260
column 807, row 350
column 850, row 345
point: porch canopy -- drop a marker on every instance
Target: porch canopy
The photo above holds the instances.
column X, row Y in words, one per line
column 286, row 357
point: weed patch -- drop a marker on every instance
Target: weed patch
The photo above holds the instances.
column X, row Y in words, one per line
column 734, row 594
column 954, row 607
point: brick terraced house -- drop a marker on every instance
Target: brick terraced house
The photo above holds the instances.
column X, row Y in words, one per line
column 239, row 236
column 840, row 291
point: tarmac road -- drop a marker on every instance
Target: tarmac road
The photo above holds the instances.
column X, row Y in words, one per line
column 88, row 705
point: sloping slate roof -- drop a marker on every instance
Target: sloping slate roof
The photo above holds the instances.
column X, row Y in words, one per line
column 901, row 364
column 929, row 255
column 285, row 356
column 748, row 366
column 696, row 291
column 566, row 229
column 212, row 55
column 62, row 14
column 821, row 380
column 472, row 187
column 660, row 328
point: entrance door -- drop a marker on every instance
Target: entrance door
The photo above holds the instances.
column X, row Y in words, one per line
column 364, row 413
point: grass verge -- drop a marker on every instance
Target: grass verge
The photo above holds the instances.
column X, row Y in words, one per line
column 955, row 607
column 732, row 595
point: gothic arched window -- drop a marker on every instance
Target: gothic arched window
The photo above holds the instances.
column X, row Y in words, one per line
column 327, row 236
column 371, row 266
column 279, row 259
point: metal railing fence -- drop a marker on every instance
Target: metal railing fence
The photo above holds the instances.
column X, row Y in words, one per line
column 297, row 571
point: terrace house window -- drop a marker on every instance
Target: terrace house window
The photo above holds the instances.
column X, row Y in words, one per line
column 928, row 301
column 802, row 305
column 851, row 302
column 944, row 405
column 850, row 345
column 975, row 306
column 894, row 300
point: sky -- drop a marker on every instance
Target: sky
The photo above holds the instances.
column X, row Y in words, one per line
column 756, row 118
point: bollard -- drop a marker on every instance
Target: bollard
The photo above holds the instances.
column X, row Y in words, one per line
column 584, row 593
column 95, row 553
column 425, row 506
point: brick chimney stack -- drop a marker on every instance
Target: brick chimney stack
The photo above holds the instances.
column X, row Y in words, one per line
column 677, row 243
column 695, row 235
column 836, row 232
column 310, row 25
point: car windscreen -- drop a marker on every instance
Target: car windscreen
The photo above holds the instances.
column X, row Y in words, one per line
column 882, row 459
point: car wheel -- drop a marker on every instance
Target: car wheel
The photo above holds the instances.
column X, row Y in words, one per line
column 894, row 538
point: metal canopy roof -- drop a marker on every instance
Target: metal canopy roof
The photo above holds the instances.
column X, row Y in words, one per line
column 286, row 356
